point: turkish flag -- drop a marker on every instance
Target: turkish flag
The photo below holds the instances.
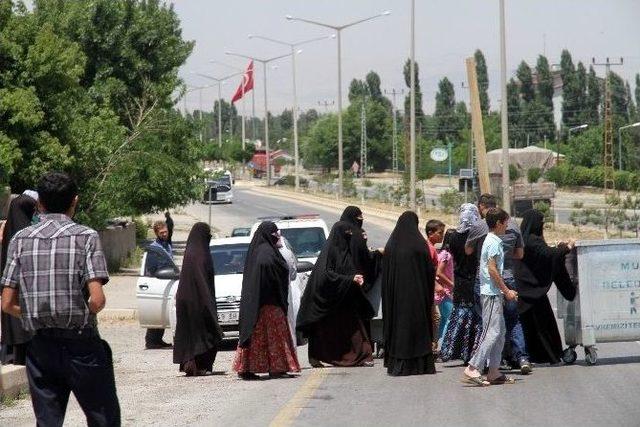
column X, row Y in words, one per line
column 246, row 85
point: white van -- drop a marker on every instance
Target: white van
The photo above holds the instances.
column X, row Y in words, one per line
column 218, row 188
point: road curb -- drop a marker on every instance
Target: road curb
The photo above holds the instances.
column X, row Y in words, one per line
column 13, row 380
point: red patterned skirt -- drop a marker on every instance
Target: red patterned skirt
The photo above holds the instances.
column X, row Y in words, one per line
column 271, row 348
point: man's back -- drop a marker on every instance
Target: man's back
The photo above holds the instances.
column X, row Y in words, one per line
column 55, row 257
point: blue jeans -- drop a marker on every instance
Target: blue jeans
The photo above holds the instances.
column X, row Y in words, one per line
column 515, row 335
column 446, row 307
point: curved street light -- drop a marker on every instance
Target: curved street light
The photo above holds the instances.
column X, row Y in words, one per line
column 293, row 47
column 338, row 29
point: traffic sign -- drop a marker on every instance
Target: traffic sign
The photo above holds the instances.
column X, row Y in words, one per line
column 439, row 154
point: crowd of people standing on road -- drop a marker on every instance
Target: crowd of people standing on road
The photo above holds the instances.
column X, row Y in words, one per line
column 481, row 298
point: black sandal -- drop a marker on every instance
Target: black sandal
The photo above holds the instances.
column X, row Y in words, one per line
column 248, row 376
column 502, row 379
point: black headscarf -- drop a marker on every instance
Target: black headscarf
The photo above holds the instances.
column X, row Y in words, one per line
column 265, row 279
column 408, row 278
column 20, row 214
column 331, row 282
column 353, row 215
column 542, row 265
column 197, row 328
column 366, row 262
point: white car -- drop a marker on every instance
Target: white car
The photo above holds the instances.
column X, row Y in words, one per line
column 155, row 295
column 306, row 234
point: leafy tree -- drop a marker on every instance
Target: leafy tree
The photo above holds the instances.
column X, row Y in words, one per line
column 545, row 82
column 594, row 98
column 357, row 90
column 514, row 110
column 619, row 100
column 632, row 111
column 581, row 84
column 445, row 113
column 585, row 148
column 527, row 91
column 86, row 87
column 571, row 91
column 321, row 144
column 483, row 81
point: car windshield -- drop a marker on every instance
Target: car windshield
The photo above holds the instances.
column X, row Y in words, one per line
column 223, row 180
column 229, row 259
column 306, row 242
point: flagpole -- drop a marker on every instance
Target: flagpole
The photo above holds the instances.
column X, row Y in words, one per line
column 243, row 109
column 253, row 114
column 219, row 114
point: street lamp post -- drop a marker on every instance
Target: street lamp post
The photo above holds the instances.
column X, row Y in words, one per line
column 293, row 47
column 219, row 81
column 244, row 110
column 338, row 29
column 264, row 63
column 620, row 129
column 199, row 89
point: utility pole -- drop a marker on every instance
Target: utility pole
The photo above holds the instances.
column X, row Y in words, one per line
column 326, row 104
column 394, row 156
column 477, row 127
column 609, row 183
column 506, row 194
column 363, row 138
column 412, row 109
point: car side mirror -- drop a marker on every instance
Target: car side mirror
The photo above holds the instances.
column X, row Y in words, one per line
column 167, row 273
column 304, row 266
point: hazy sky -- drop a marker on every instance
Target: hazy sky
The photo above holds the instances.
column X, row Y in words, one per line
column 447, row 31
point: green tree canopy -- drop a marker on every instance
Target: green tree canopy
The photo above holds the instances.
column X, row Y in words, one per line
column 483, row 81
column 86, row 87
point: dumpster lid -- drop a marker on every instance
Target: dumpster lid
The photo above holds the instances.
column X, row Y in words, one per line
column 607, row 242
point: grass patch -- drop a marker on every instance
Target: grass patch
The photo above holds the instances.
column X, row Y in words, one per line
column 8, row 401
column 134, row 258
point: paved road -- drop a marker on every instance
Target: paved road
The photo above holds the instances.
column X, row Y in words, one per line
column 248, row 206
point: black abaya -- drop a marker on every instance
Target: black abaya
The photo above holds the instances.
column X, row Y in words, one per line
column 408, row 278
column 265, row 280
column 365, row 261
column 13, row 335
column 541, row 266
column 197, row 331
column 333, row 306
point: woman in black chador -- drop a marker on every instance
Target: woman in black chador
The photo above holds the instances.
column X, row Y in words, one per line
column 266, row 344
column 333, row 306
column 365, row 261
column 13, row 335
column 408, row 278
column 541, row 266
column 197, row 331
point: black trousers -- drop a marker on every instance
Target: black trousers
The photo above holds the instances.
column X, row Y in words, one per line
column 57, row 366
column 153, row 336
